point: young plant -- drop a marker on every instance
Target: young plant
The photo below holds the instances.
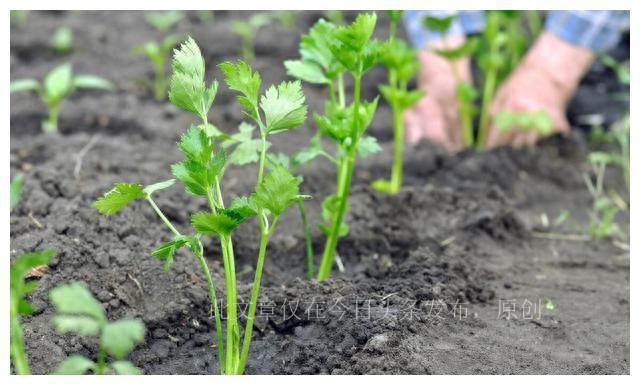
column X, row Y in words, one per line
column 19, row 290
column 57, row 86
column 163, row 20
column 158, row 53
column 77, row 311
column 604, row 210
column 466, row 94
column 62, row 41
column 402, row 65
column 279, row 109
column 327, row 53
column 16, row 189
column 536, row 121
column 247, row 31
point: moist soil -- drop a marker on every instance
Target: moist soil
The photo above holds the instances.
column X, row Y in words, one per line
column 462, row 272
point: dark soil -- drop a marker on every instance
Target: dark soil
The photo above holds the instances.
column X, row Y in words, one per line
column 427, row 272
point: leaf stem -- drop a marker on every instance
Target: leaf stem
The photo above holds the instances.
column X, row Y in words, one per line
column 20, row 362
column 308, row 240
column 487, row 96
column 398, row 149
column 162, row 216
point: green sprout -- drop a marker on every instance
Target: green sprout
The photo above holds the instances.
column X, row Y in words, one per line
column 247, row 31
column 163, row 20
column 16, row 189
column 466, row 94
column 19, row 290
column 526, row 121
column 402, row 64
column 57, row 86
column 604, row 209
column 79, row 312
column 277, row 110
column 62, row 41
column 327, row 53
column 158, row 53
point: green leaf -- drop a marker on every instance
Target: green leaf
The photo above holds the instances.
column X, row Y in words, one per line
column 278, row 160
column 82, row 325
column 246, row 152
column 121, row 195
column 187, row 89
column 394, row 16
column 24, row 85
column 150, row 189
column 439, row 24
column 16, row 190
column 329, row 210
column 310, row 152
column 307, row 71
column 221, row 223
column 195, row 145
column 120, row 337
column 125, row 368
column 368, row 145
column 75, row 299
column 277, row 191
column 58, row 84
column 315, row 48
column 197, row 177
column 167, row 250
column 75, row 365
column 351, row 45
column 468, row 48
column 283, row 107
column 18, row 287
column 92, row 82
column 240, row 77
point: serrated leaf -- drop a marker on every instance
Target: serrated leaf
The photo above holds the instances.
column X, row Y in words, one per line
column 278, row 160
column 195, row 145
column 310, row 152
column 246, row 152
column 17, row 272
column 221, row 223
column 58, row 83
column 75, row 365
column 306, row 70
column 368, row 145
column 240, row 77
column 92, row 82
column 75, row 299
column 187, row 89
column 150, row 189
column 197, row 177
column 284, row 107
column 125, row 368
column 118, row 197
column 24, row 85
column 277, row 191
column 86, row 326
column 16, row 190
column 120, row 337
column 167, row 250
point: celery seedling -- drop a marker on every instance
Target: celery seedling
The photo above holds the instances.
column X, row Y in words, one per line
column 525, row 121
column 158, row 53
column 163, row 20
column 19, row 289
column 62, row 40
column 604, row 210
column 402, row 64
column 466, row 94
column 79, row 312
column 327, row 53
column 247, row 31
column 279, row 109
column 57, row 86
column 16, row 189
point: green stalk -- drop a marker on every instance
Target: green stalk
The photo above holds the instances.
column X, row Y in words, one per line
column 18, row 354
column 50, row 125
column 341, row 98
column 101, row 360
column 464, row 110
column 398, row 150
column 231, row 357
column 308, row 240
column 263, row 156
column 344, row 187
column 487, row 96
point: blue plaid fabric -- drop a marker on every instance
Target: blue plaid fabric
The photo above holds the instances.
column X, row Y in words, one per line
column 596, row 30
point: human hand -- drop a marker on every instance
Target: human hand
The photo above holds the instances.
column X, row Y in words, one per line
column 544, row 81
column 435, row 116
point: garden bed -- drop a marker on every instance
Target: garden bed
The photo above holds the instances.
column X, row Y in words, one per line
column 459, row 273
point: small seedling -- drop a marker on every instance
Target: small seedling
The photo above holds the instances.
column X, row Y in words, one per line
column 604, row 210
column 57, row 86
column 158, row 53
column 279, row 109
column 62, row 41
column 529, row 121
column 163, row 20
column 16, row 189
column 247, row 31
column 79, row 312
column 402, row 65
column 20, row 289
column 327, row 53
column 466, row 94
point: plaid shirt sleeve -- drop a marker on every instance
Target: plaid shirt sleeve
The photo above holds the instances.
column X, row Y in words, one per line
column 596, row 30
column 466, row 23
